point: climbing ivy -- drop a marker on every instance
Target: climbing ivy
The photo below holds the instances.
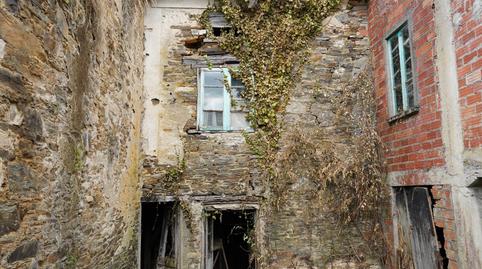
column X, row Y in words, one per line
column 271, row 39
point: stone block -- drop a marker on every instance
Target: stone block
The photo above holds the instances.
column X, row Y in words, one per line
column 6, row 146
column 9, row 218
column 26, row 250
column 14, row 116
column 33, row 125
column 20, row 178
column 12, row 5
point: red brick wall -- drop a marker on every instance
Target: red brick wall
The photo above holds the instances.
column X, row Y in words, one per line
column 443, row 216
column 468, row 44
column 413, row 142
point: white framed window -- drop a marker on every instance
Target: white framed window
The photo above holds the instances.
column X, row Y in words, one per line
column 218, row 110
column 401, row 76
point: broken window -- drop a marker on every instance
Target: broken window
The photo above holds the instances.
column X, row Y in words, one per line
column 401, row 71
column 158, row 233
column 218, row 109
column 228, row 239
column 420, row 243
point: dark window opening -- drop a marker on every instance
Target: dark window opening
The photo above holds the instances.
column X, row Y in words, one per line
column 158, row 229
column 229, row 235
column 217, row 31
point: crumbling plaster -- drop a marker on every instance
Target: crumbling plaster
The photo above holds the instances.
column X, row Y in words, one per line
column 165, row 118
column 468, row 218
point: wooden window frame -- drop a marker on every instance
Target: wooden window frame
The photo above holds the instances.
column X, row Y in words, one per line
column 226, row 102
column 392, row 107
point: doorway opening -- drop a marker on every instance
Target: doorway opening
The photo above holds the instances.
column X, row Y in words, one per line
column 158, row 235
column 229, row 235
column 419, row 238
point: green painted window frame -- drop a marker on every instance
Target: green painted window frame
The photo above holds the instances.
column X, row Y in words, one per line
column 226, row 101
column 406, row 83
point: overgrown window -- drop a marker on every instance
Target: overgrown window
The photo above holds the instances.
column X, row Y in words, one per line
column 401, row 71
column 220, row 103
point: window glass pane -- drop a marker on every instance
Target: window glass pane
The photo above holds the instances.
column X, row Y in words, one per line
column 394, row 43
column 236, row 83
column 410, row 94
column 213, row 99
column 238, row 121
column 213, row 119
column 405, row 33
column 408, row 68
column 397, row 84
column 237, row 92
column 214, row 78
column 398, row 98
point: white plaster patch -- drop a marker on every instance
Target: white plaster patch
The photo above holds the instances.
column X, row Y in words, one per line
column 6, row 142
column 457, row 20
column 2, row 48
column 473, row 77
column 181, row 3
column 2, row 175
column 14, row 116
column 477, row 9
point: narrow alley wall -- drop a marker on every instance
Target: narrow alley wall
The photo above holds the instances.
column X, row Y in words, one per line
column 70, row 114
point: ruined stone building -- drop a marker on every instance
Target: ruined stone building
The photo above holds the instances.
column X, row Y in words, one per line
column 123, row 138
column 430, row 122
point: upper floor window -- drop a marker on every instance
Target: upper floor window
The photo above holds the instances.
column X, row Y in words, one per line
column 402, row 90
column 218, row 109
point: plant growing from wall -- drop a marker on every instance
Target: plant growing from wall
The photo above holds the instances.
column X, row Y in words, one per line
column 349, row 177
column 270, row 40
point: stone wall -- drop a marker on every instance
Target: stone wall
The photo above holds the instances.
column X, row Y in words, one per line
column 204, row 169
column 302, row 234
column 70, row 114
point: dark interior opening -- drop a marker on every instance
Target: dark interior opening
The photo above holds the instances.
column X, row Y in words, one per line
column 158, row 225
column 441, row 239
column 230, row 239
column 443, row 259
column 218, row 31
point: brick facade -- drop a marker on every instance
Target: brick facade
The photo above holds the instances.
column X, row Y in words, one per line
column 413, row 142
column 421, row 148
column 468, row 46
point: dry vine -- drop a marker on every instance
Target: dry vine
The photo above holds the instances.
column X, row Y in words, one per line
column 270, row 40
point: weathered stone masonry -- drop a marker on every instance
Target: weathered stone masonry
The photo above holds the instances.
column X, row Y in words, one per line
column 219, row 169
column 70, row 111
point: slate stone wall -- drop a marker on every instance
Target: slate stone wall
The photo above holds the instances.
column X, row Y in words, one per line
column 70, row 110
column 219, row 168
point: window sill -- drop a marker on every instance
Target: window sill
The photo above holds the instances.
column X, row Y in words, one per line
column 199, row 132
column 404, row 114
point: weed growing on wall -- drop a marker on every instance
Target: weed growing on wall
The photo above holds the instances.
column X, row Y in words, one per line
column 270, row 40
